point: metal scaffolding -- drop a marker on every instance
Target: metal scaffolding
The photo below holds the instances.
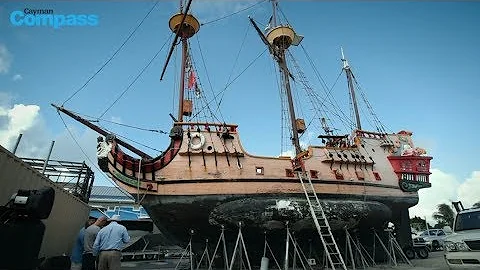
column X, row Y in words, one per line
column 75, row 177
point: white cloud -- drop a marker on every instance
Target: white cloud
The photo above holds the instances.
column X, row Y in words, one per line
column 469, row 191
column 5, row 59
column 445, row 189
column 37, row 138
column 17, row 77
column 16, row 120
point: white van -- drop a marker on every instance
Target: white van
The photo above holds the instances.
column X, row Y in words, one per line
column 462, row 247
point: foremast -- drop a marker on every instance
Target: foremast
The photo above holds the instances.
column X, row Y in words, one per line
column 185, row 26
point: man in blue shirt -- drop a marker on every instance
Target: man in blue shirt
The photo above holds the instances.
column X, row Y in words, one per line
column 77, row 250
column 109, row 243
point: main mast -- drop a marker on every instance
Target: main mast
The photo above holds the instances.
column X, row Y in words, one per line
column 349, row 74
column 279, row 39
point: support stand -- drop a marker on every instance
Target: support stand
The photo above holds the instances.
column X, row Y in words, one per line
column 267, row 246
column 205, row 255
column 297, row 251
column 364, row 252
column 375, row 236
column 188, row 250
column 221, row 239
column 356, row 253
column 240, row 250
column 395, row 248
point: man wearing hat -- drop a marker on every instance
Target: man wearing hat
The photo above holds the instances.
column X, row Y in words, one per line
column 109, row 243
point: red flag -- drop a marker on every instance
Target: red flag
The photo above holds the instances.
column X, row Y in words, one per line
column 191, row 79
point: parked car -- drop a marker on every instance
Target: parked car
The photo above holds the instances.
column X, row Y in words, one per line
column 434, row 238
column 462, row 247
column 419, row 248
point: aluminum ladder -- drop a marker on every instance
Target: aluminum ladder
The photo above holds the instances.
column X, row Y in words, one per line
column 335, row 260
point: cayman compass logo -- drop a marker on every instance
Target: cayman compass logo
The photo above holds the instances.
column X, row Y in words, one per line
column 46, row 18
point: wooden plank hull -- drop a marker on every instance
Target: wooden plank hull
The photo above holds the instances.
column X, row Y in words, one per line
column 206, row 179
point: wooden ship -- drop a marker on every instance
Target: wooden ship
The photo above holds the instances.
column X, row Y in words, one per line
column 205, row 178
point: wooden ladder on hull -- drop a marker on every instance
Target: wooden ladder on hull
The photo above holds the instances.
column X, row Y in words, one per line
column 335, row 260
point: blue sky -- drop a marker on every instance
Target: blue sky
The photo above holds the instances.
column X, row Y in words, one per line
column 416, row 61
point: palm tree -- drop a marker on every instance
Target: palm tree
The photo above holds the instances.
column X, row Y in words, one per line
column 444, row 216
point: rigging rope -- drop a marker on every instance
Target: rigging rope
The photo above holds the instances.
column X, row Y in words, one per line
column 234, row 13
column 125, row 125
column 377, row 121
column 286, row 124
column 118, row 135
column 281, row 11
column 134, row 80
column 234, row 79
column 209, row 81
column 328, row 97
column 134, row 127
column 316, row 101
column 197, row 92
column 88, row 158
column 113, row 56
column 120, row 124
column 234, row 64
column 176, row 80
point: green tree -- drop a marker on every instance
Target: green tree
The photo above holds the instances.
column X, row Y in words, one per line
column 419, row 224
column 444, row 215
column 476, row 205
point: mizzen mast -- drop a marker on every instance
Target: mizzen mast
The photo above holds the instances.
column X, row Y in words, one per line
column 349, row 74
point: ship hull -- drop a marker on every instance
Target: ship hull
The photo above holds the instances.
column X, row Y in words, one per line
column 177, row 216
column 205, row 180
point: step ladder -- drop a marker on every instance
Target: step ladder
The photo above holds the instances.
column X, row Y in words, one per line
column 334, row 258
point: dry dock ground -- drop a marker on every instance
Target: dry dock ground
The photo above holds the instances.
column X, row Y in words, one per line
column 435, row 261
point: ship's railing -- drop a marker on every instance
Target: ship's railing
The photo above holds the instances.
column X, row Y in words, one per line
column 411, row 168
column 370, row 134
column 205, row 126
